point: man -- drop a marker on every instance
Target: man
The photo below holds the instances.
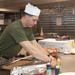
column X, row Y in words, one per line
column 19, row 35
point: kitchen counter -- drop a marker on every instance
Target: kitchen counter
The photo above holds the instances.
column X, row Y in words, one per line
column 65, row 61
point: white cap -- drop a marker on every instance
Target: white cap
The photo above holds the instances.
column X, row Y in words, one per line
column 32, row 10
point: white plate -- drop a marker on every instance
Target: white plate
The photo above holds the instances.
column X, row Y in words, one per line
column 68, row 73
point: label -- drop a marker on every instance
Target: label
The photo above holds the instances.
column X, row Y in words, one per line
column 48, row 71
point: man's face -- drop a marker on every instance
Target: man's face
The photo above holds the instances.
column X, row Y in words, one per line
column 31, row 21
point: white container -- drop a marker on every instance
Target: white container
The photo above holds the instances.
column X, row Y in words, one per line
column 64, row 46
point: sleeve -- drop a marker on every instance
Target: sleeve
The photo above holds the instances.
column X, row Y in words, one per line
column 18, row 35
column 31, row 35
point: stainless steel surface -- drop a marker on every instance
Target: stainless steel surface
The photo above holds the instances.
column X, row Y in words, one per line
column 67, row 63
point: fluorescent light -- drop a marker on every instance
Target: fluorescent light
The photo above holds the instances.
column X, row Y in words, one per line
column 9, row 10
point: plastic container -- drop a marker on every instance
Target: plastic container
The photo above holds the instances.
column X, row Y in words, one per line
column 57, row 68
column 48, row 69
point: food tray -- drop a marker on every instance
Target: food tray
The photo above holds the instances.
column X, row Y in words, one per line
column 18, row 63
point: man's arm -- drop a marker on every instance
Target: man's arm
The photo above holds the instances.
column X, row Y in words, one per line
column 39, row 47
column 35, row 52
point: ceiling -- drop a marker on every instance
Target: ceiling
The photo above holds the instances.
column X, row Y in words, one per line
column 16, row 5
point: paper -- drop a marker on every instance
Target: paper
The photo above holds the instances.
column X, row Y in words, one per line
column 68, row 73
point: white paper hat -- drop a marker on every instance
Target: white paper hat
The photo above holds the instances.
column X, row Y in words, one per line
column 32, row 10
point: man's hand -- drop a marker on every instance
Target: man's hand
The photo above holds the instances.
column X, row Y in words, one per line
column 53, row 62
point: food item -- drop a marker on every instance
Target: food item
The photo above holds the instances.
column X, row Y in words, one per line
column 52, row 51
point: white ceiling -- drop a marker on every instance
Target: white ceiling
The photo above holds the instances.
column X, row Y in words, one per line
column 19, row 4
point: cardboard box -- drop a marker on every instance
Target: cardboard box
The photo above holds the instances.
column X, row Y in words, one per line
column 64, row 46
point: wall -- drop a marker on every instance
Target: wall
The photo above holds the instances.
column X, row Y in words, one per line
column 48, row 21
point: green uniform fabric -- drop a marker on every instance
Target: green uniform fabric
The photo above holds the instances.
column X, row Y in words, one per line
column 12, row 35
